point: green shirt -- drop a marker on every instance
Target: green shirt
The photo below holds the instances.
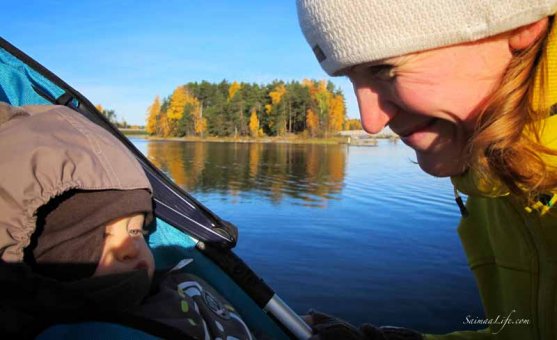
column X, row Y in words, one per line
column 512, row 251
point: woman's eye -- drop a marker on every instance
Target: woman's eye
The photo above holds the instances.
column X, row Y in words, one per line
column 382, row 72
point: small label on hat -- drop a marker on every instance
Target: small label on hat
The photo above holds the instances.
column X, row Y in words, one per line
column 319, row 53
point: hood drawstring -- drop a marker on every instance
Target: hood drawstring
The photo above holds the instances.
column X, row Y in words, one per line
column 460, row 203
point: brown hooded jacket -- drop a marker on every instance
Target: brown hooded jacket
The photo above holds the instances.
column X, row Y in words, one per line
column 47, row 151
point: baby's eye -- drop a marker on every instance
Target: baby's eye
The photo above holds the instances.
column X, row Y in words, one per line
column 136, row 232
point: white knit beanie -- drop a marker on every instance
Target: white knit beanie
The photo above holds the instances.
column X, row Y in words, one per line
column 343, row 33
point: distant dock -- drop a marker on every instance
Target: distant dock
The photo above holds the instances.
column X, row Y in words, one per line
column 362, row 138
column 362, row 141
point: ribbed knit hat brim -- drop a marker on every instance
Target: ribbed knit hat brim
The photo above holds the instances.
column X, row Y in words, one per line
column 345, row 33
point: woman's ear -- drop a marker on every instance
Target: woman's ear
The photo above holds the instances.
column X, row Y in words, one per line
column 524, row 36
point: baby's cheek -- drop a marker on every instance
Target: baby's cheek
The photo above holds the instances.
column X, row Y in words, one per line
column 103, row 268
column 150, row 260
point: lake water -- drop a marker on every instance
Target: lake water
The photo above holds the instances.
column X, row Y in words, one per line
column 358, row 232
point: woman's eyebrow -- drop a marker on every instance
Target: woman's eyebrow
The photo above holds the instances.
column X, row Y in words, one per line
column 371, row 66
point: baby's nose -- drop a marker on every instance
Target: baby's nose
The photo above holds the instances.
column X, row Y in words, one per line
column 128, row 250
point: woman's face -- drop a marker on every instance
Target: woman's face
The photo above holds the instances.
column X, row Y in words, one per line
column 432, row 99
column 125, row 248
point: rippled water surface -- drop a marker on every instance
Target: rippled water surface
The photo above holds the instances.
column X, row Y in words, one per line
column 358, row 232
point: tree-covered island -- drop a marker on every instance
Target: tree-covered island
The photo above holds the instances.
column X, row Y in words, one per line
column 308, row 109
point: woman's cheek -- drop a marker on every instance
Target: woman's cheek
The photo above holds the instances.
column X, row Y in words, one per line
column 417, row 99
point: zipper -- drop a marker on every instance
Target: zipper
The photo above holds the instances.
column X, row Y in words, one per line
column 460, row 203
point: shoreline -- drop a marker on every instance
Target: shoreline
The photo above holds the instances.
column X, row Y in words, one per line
column 335, row 140
column 263, row 140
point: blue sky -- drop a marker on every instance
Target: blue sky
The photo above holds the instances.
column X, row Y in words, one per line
column 121, row 54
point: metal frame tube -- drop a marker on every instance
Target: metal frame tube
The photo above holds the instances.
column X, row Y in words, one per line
column 292, row 321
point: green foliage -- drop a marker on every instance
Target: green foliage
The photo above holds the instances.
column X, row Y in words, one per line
column 226, row 108
column 112, row 117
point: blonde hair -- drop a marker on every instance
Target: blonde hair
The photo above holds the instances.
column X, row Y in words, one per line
column 506, row 145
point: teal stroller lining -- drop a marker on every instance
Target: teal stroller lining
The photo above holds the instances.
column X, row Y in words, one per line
column 168, row 244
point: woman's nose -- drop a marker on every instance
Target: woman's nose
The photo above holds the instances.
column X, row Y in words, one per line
column 375, row 111
column 127, row 250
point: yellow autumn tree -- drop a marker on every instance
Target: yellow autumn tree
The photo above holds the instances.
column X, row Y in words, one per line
column 336, row 112
column 328, row 111
column 178, row 101
column 164, row 126
column 234, row 87
column 153, row 113
column 254, row 129
column 268, row 108
column 200, row 125
column 322, row 85
column 199, row 122
column 277, row 122
column 312, row 122
column 277, row 94
column 316, row 115
column 183, row 102
column 99, row 107
column 322, row 96
column 309, row 84
column 352, row 124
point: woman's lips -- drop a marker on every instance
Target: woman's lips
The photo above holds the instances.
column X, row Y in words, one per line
column 418, row 128
column 418, row 137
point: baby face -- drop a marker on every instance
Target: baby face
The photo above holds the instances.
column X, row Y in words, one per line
column 125, row 248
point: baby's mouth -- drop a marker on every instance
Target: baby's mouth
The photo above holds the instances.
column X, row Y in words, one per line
column 141, row 265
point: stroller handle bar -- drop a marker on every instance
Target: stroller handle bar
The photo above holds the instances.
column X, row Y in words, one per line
column 295, row 324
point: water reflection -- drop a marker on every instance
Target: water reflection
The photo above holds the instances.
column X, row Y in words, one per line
column 387, row 237
column 309, row 174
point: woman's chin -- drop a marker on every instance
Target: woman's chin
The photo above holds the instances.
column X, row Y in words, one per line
column 437, row 167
